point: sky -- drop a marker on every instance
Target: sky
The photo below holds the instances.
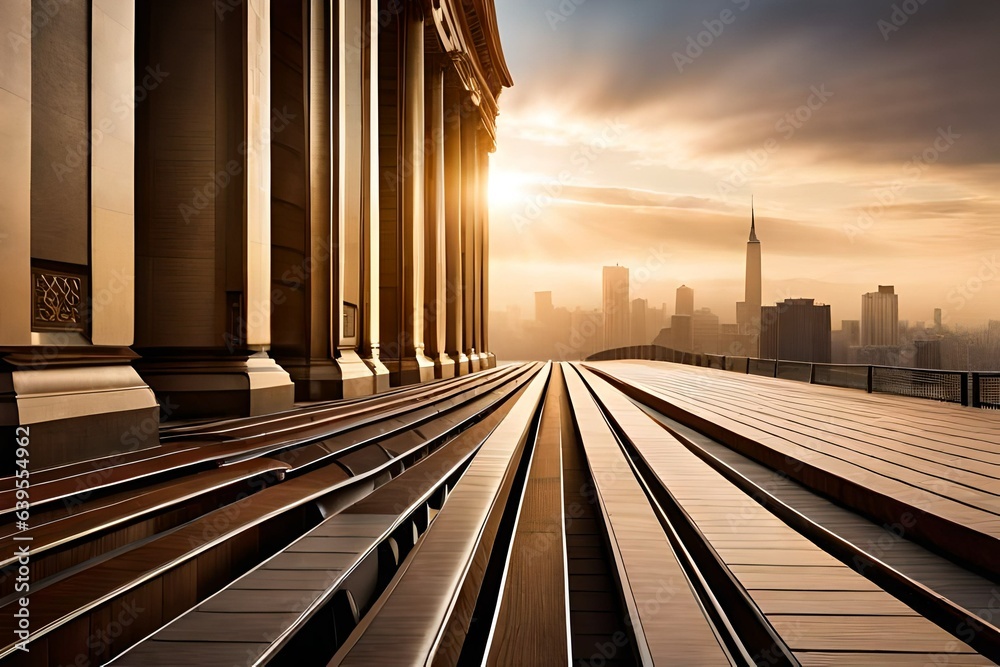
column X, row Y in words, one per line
column 867, row 132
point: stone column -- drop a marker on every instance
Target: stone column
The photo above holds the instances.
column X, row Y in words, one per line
column 369, row 325
column 489, row 358
column 65, row 329
column 455, row 330
column 435, row 249
column 203, row 251
column 353, row 52
column 470, row 203
column 414, row 365
column 15, row 176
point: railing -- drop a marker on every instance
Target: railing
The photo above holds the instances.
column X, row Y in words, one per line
column 764, row 367
column 949, row 386
column 841, row 375
column 981, row 390
column 986, row 390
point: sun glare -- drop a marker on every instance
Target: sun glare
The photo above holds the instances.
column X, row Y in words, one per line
column 505, row 187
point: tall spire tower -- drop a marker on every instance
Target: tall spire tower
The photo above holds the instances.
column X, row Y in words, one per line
column 748, row 312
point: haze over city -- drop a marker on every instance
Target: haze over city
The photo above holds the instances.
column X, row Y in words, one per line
column 866, row 132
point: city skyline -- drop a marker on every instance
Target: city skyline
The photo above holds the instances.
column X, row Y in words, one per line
column 651, row 152
column 672, row 297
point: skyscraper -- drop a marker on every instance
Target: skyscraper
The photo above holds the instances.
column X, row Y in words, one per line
column 748, row 310
column 543, row 307
column 797, row 330
column 685, row 301
column 616, row 307
column 705, row 332
column 847, row 337
column 639, row 313
column 880, row 317
column 682, row 333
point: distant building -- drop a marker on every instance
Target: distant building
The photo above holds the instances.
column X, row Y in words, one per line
column 731, row 342
column 617, row 320
column 796, row 330
column 586, row 332
column 928, row 353
column 665, row 338
column 880, row 317
column 682, row 333
column 877, row 355
column 656, row 319
column 844, row 339
column 639, row 323
column 543, row 307
column 748, row 311
column 705, row 332
column 937, row 320
column 685, row 301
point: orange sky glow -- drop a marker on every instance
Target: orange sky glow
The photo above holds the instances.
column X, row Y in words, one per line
column 611, row 150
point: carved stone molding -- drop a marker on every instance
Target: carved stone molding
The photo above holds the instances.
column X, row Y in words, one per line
column 58, row 300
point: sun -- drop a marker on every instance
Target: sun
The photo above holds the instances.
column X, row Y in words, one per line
column 506, row 187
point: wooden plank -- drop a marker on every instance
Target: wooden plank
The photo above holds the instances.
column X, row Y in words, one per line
column 667, row 619
column 225, row 627
column 131, row 506
column 787, row 584
column 784, row 577
column 960, row 484
column 822, row 603
column 532, row 623
column 412, row 616
column 866, row 634
column 171, row 654
column 821, row 659
column 310, row 561
column 958, row 528
column 238, row 437
column 973, row 468
column 258, row 601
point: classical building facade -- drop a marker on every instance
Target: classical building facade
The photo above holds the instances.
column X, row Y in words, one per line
column 218, row 207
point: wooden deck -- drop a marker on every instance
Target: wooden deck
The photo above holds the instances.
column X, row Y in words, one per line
column 814, row 602
column 883, row 456
column 613, row 513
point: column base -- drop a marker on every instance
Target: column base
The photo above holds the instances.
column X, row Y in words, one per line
column 416, row 370
column 491, row 359
column 328, row 379
column 412, row 370
column 219, row 386
column 444, row 367
column 475, row 362
column 76, row 407
column 359, row 378
column 462, row 366
column 380, row 373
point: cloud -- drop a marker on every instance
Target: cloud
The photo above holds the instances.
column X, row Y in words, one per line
column 890, row 97
column 686, row 132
